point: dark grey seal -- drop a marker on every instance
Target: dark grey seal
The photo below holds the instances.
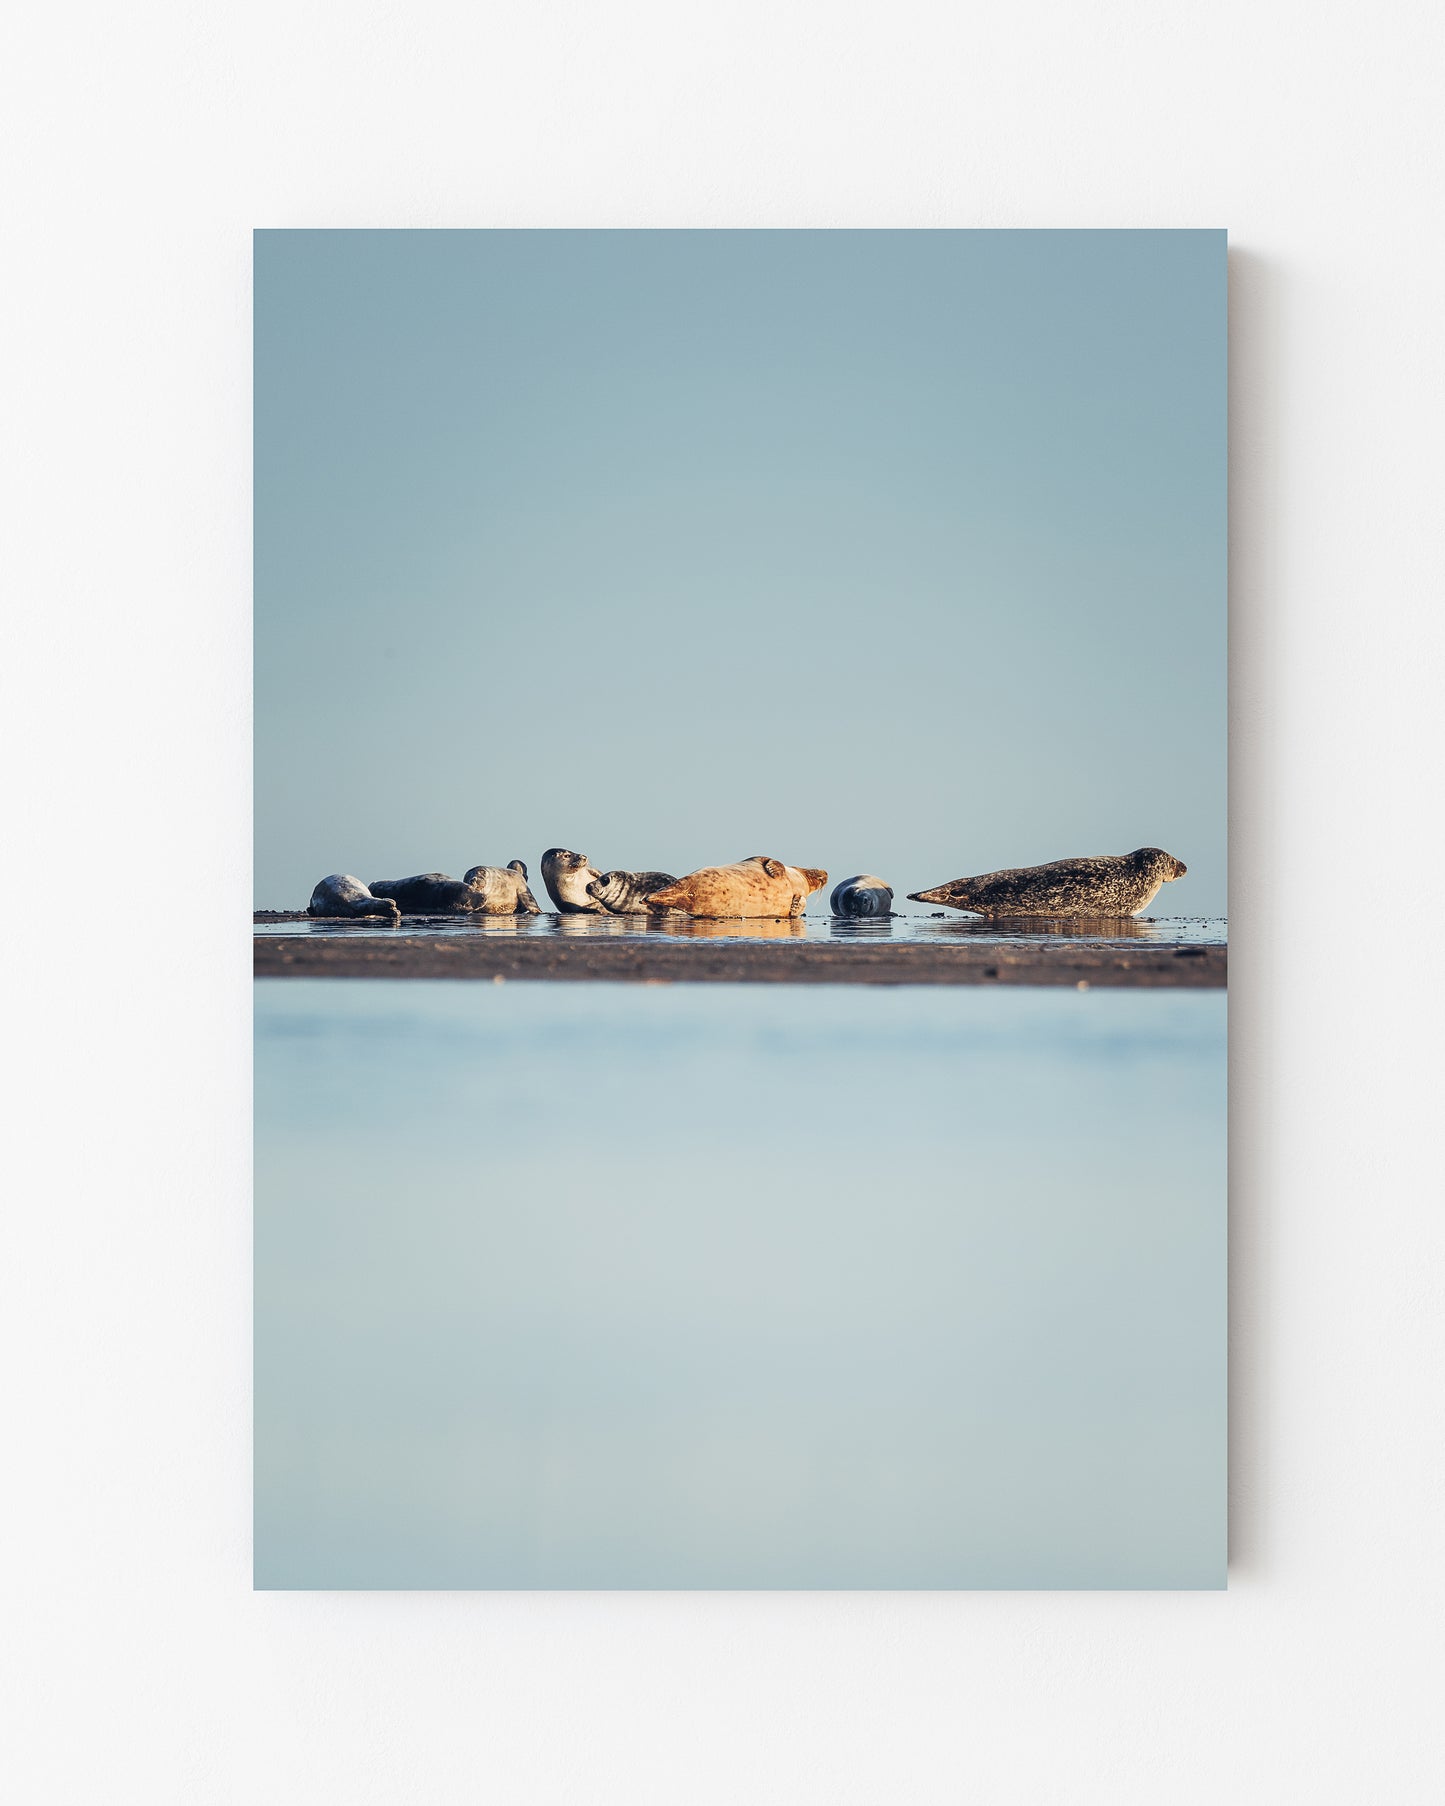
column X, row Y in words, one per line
column 1113, row 885
column 343, row 895
column 489, row 890
column 864, row 895
column 566, row 876
column 428, row 893
column 626, row 893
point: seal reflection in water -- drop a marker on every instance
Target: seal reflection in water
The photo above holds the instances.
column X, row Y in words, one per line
column 626, row 893
column 343, row 895
column 864, row 895
column 760, row 886
column 722, row 928
column 567, row 876
column 491, row 890
column 1108, row 887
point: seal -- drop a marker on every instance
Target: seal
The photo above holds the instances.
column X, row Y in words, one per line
column 504, row 888
column 427, row 894
column 626, row 893
column 1113, row 885
column 343, row 895
column 567, row 876
column 864, row 895
column 488, row 890
column 760, row 886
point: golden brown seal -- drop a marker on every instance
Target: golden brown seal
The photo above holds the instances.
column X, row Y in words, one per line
column 759, row 886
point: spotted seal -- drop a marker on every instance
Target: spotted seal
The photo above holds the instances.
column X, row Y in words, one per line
column 343, row 895
column 626, row 893
column 566, row 876
column 864, row 895
column 759, row 886
column 1113, row 885
column 488, row 890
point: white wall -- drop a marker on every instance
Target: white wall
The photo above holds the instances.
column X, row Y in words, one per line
column 143, row 144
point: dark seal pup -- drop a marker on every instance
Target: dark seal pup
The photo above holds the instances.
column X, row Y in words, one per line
column 488, row 890
column 626, row 893
column 1111, row 886
column 343, row 895
column 567, row 876
column 864, row 895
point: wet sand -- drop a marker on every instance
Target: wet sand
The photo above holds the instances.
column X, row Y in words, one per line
column 901, row 951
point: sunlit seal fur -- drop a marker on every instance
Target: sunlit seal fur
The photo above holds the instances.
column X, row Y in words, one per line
column 759, row 886
column 487, row 890
column 566, row 876
column 626, row 893
column 343, row 895
column 864, row 895
column 504, row 889
column 1111, row 886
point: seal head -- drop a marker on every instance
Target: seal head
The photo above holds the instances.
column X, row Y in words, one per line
column 566, row 876
column 864, row 895
column 1109, row 886
column 626, row 893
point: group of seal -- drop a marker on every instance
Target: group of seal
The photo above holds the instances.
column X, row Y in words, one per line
column 578, row 889
column 488, row 890
column 1111, row 886
column 759, row 886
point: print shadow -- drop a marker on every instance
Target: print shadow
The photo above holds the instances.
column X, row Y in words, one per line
column 1257, row 665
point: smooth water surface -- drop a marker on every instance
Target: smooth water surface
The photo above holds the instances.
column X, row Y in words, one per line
column 758, row 1286
column 939, row 927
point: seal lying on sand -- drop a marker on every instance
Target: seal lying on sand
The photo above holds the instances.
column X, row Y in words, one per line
column 343, row 895
column 505, row 889
column 488, row 890
column 626, row 893
column 864, row 895
column 428, row 893
column 567, row 876
column 753, row 887
column 1112, row 885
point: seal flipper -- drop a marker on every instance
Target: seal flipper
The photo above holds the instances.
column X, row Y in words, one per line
column 671, row 897
column 526, row 904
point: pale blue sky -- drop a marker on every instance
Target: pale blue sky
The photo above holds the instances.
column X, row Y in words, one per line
column 887, row 551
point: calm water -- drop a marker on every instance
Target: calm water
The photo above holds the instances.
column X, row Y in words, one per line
column 759, row 1286
column 1171, row 930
